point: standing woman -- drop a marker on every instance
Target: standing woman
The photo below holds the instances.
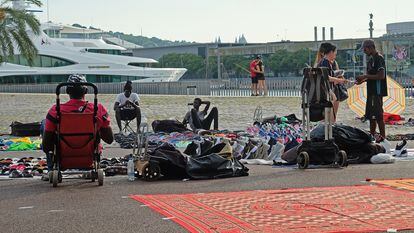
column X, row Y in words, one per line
column 329, row 62
column 261, row 77
column 320, row 54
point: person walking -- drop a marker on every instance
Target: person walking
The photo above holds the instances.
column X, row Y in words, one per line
column 376, row 88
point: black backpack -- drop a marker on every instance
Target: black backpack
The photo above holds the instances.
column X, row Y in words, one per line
column 168, row 126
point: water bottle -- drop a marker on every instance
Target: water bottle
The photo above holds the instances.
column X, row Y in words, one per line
column 131, row 169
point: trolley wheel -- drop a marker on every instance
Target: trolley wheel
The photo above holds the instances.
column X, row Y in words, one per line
column 93, row 176
column 100, row 177
column 342, row 159
column 50, row 176
column 151, row 172
column 55, row 178
column 303, row 160
column 60, row 177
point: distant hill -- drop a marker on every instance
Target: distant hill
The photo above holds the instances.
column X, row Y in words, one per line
column 146, row 42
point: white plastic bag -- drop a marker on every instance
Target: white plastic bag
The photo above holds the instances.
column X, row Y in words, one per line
column 387, row 145
column 382, row 158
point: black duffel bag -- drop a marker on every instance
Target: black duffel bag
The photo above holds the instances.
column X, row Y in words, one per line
column 25, row 129
column 213, row 166
column 320, row 152
column 168, row 126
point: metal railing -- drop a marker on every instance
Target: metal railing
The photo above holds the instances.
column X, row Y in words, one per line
column 281, row 87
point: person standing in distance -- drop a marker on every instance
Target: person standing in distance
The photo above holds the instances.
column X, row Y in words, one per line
column 253, row 75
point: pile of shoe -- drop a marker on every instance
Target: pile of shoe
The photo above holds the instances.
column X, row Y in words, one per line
column 24, row 167
column 114, row 166
column 399, row 137
column 126, row 141
column 178, row 140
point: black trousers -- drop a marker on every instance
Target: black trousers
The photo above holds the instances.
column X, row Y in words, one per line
column 206, row 122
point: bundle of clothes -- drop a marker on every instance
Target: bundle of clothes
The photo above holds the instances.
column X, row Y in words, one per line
column 19, row 143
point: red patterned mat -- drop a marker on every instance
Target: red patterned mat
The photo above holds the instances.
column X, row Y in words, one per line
column 407, row 184
column 331, row 209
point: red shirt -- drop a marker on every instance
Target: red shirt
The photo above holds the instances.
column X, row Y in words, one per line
column 73, row 105
column 252, row 68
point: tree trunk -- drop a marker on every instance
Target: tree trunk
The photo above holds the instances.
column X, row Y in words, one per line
column 2, row 15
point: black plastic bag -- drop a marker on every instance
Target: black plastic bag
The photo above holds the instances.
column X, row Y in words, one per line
column 172, row 163
column 214, row 166
column 191, row 149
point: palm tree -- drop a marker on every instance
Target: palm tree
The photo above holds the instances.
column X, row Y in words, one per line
column 14, row 26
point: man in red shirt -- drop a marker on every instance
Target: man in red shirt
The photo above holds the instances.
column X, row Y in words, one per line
column 253, row 75
column 76, row 103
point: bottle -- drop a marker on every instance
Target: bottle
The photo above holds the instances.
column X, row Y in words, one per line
column 131, row 169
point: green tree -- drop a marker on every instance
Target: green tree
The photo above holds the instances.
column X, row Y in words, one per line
column 237, row 65
column 194, row 64
column 284, row 63
column 14, row 25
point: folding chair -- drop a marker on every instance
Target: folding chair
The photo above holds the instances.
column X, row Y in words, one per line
column 127, row 116
column 77, row 141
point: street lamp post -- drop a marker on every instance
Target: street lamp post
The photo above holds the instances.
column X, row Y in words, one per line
column 371, row 24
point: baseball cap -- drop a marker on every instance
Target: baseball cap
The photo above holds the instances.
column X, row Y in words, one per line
column 367, row 43
column 78, row 90
column 258, row 57
column 77, row 78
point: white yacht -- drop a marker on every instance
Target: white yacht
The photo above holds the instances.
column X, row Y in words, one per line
column 65, row 50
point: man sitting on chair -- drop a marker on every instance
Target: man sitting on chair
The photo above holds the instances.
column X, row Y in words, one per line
column 197, row 119
column 127, row 106
column 77, row 103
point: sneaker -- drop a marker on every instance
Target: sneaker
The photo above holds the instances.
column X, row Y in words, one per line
column 403, row 153
column 45, row 176
column 15, row 174
column 400, row 146
column 276, row 152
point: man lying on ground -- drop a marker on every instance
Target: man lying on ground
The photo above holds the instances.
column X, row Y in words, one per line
column 197, row 119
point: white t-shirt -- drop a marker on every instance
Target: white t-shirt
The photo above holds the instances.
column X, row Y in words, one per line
column 121, row 98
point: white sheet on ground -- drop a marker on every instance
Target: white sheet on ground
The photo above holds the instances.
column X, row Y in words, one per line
column 256, row 161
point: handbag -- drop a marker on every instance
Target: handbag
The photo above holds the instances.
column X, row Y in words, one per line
column 341, row 92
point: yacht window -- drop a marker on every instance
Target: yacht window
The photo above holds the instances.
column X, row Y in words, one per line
column 40, row 61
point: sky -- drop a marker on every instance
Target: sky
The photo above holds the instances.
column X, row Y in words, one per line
column 204, row 20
